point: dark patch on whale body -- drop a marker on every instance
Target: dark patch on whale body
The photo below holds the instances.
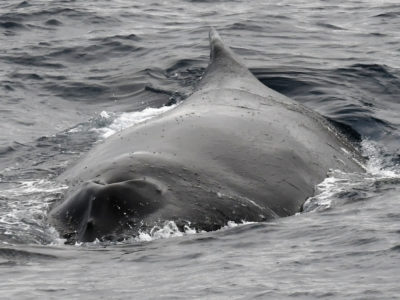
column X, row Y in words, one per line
column 234, row 150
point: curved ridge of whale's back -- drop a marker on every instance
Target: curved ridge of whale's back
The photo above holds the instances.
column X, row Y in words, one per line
column 234, row 150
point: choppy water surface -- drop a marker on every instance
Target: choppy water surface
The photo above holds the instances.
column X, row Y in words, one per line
column 74, row 72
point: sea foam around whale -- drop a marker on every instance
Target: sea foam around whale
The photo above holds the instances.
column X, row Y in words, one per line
column 339, row 186
column 127, row 119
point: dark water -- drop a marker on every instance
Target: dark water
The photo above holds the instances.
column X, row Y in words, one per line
column 73, row 72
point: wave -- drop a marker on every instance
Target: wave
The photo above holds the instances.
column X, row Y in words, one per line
column 358, row 97
column 11, row 25
column 10, row 256
column 24, row 204
column 388, row 15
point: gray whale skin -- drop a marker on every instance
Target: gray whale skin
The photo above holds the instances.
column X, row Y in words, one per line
column 235, row 150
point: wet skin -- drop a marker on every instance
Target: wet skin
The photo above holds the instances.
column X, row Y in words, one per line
column 234, row 150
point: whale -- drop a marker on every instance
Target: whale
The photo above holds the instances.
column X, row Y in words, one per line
column 235, row 150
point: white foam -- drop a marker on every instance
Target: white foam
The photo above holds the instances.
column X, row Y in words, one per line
column 168, row 230
column 379, row 163
column 126, row 120
column 55, row 238
column 233, row 224
column 379, row 167
column 105, row 115
column 326, row 190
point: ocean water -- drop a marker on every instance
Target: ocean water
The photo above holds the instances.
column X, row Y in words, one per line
column 73, row 73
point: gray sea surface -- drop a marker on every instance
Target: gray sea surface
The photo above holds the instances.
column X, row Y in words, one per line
column 74, row 72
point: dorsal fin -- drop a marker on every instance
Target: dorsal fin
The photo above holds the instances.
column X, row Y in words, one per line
column 219, row 53
column 226, row 69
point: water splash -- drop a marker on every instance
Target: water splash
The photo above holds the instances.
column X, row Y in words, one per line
column 340, row 187
column 380, row 161
column 24, row 205
column 168, row 230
